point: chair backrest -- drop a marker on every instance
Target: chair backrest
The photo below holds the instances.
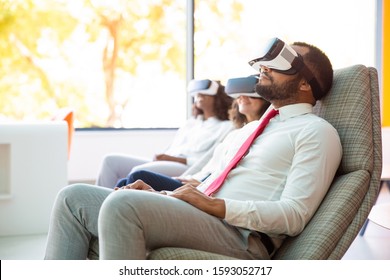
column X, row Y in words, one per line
column 67, row 114
column 352, row 107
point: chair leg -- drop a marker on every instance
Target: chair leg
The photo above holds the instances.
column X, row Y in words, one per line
column 382, row 183
column 362, row 231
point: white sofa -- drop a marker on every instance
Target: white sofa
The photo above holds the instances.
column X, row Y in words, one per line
column 33, row 168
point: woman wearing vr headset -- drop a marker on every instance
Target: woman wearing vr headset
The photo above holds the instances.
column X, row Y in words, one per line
column 247, row 106
column 272, row 192
column 201, row 133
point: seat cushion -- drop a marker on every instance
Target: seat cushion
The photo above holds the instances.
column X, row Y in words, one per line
column 171, row 253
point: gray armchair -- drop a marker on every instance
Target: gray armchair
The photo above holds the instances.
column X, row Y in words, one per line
column 352, row 107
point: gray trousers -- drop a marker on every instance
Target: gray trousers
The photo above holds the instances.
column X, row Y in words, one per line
column 90, row 222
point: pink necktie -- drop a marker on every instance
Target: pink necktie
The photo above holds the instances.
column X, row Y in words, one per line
column 217, row 183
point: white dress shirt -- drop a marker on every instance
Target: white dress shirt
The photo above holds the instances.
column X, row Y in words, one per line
column 219, row 153
column 279, row 184
column 197, row 136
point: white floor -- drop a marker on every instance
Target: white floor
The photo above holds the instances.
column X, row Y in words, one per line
column 23, row 248
column 374, row 245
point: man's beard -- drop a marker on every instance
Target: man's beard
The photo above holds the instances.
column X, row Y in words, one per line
column 273, row 92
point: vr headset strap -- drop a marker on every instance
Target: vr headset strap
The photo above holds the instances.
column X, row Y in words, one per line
column 315, row 86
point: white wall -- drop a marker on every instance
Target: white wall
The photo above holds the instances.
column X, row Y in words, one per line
column 32, row 171
column 386, row 146
column 89, row 148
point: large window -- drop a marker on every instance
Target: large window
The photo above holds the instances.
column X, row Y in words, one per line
column 117, row 63
column 122, row 63
column 228, row 32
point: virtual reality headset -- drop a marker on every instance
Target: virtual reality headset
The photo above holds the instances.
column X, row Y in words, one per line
column 281, row 57
column 242, row 86
column 207, row 87
column 278, row 56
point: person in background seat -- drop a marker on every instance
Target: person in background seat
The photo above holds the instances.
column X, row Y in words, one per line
column 247, row 106
column 201, row 133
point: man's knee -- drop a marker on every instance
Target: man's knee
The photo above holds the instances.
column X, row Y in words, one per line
column 127, row 203
column 122, row 206
column 70, row 191
column 120, row 202
column 68, row 197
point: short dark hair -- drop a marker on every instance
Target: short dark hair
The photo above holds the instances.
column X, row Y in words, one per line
column 319, row 64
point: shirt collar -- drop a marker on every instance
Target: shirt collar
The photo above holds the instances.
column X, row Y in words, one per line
column 293, row 110
column 210, row 119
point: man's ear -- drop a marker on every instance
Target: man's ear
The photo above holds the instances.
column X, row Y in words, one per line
column 304, row 85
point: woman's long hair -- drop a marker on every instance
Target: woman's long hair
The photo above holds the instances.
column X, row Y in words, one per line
column 238, row 119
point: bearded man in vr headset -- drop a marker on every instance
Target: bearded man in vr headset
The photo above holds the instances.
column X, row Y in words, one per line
column 271, row 193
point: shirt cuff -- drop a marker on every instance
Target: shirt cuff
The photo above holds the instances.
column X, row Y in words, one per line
column 234, row 212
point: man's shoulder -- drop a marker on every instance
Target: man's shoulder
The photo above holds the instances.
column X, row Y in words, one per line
column 319, row 125
column 320, row 120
